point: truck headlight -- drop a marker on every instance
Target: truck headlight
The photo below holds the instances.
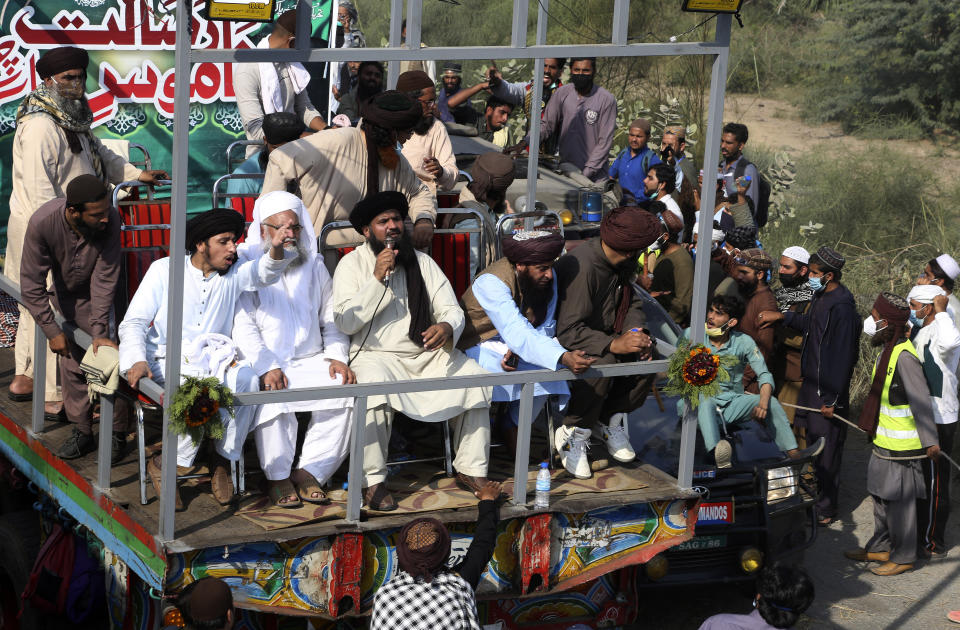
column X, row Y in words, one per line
column 781, row 483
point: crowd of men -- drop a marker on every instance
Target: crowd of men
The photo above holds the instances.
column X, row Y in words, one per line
column 273, row 313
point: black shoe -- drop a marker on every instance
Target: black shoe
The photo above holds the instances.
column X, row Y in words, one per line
column 77, row 445
column 118, row 448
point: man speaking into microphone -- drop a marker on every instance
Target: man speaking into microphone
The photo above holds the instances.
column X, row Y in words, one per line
column 404, row 321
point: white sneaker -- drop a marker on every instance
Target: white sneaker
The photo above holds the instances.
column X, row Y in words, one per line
column 723, row 454
column 572, row 444
column 616, row 438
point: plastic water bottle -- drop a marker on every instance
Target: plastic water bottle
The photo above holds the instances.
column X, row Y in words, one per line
column 542, row 501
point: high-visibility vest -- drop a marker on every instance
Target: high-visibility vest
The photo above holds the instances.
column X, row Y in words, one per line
column 896, row 430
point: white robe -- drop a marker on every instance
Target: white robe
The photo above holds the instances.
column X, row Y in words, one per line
column 304, row 353
column 383, row 352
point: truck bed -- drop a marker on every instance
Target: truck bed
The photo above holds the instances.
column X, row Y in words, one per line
column 129, row 528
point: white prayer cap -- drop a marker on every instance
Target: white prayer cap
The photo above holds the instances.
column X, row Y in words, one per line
column 270, row 204
column 924, row 293
column 716, row 236
column 949, row 266
column 798, row 254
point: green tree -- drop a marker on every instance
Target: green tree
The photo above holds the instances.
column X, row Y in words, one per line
column 890, row 60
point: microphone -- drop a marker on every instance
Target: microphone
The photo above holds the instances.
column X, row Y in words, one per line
column 389, row 242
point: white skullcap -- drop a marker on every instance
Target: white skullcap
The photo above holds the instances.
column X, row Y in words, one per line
column 924, row 293
column 949, row 266
column 716, row 236
column 797, row 253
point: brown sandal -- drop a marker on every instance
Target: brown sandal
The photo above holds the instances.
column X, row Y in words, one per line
column 153, row 469
column 220, row 482
column 283, row 494
column 308, row 489
column 379, row 499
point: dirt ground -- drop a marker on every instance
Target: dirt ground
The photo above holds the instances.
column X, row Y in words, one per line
column 776, row 124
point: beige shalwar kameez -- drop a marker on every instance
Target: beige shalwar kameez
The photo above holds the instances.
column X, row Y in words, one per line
column 433, row 144
column 330, row 170
column 385, row 353
column 43, row 165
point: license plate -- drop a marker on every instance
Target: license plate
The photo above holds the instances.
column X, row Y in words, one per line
column 702, row 542
column 715, row 513
column 708, row 473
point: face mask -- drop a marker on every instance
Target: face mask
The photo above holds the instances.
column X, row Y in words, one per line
column 870, row 326
column 915, row 318
column 716, row 332
column 816, row 284
column 790, row 279
column 657, row 244
column 582, row 82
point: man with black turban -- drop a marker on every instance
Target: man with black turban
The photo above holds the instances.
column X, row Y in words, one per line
column 211, row 287
column 52, row 145
column 512, row 323
column 77, row 239
column 425, row 593
column 403, row 320
column 278, row 129
column 600, row 314
column 269, row 87
column 898, row 417
column 334, row 170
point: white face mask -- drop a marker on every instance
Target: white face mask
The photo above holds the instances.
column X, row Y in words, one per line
column 870, row 326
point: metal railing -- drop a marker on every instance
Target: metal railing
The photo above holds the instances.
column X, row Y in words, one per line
column 718, row 50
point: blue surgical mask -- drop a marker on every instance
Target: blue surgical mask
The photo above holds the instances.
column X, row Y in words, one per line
column 815, row 283
column 915, row 319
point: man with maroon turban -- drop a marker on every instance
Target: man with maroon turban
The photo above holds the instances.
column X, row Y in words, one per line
column 53, row 144
column 511, row 322
column 898, row 416
column 425, row 593
column 599, row 313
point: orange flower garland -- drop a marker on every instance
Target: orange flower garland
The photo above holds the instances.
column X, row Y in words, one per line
column 697, row 372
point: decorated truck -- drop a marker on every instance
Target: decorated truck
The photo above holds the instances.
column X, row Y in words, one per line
column 317, row 565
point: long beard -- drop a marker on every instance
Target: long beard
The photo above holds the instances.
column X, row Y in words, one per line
column 424, row 125
column 535, row 296
column 302, row 253
column 76, row 108
column 365, row 90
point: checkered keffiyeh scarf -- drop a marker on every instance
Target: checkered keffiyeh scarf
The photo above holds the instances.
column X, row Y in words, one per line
column 406, row 603
column 40, row 101
column 787, row 297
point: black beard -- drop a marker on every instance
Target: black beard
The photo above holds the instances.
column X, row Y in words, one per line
column 406, row 253
column 881, row 338
column 424, row 125
column 366, row 89
column 89, row 233
column 748, row 288
column 451, row 91
column 535, row 296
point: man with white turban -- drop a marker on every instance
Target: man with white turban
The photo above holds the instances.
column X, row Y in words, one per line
column 286, row 331
column 943, row 272
column 937, row 340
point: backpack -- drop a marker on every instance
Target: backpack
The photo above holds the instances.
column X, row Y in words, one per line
column 49, row 582
column 762, row 211
column 65, row 580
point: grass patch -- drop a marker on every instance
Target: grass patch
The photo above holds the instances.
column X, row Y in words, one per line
column 881, row 210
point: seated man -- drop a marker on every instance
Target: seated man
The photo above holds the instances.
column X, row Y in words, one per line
column 492, row 126
column 212, row 284
column 511, row 322
column 732, row 404
column 403, row 320
column 286, row 332
column 278, row 129
column 601, row 314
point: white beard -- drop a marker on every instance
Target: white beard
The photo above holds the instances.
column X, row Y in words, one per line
column 298, row 246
